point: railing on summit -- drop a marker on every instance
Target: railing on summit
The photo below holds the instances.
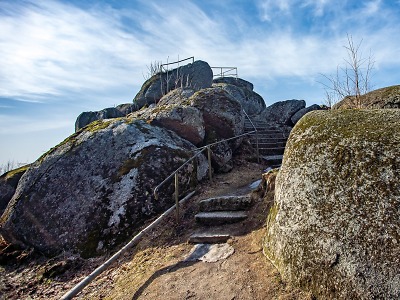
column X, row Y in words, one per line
column 225, row 72
column 162, row 66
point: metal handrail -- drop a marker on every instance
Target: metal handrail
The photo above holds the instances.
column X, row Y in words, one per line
column 228, row 69
column 176, row 62
column 199, row 151
column 255, row 130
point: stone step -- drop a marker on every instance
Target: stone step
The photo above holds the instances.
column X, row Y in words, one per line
column 273, row 160
column 271, row 151
column 266, row 135
column 269, row 144
column 220, row 217
column 226, row 203
column 208, row 238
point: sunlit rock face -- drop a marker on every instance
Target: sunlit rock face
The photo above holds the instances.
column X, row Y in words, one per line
column 334, row 228
column 91, row 192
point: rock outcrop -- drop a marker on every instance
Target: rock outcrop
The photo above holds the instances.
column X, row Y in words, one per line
column 196, row 76
column 202, row 118
column 88, row 117
column 298, row 115
column 334, row 227
column 8, row 185
column 242, row 91
column 281, row 112
column 388, row 97
column 92, row 191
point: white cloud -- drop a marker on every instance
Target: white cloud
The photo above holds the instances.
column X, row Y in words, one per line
column 48, row 47
column 371, row 8
column 269, row 8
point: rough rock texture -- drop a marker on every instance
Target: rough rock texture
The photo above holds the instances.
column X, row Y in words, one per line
column 251, row 102
column 241, row 83
column 222, row 113
column 92, row 191
column 197, row 75
column 335, row 226
column 88, row 117
column 297, row 116
column 8, row 185
column 202, row 118
column 388, row 97
column 174, row 112
column 281, row 112
column 223, row 118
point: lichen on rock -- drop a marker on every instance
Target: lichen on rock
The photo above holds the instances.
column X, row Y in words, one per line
column 90, row 193
column 335, row 226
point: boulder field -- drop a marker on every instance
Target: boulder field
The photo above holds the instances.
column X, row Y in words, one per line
column 334, row 228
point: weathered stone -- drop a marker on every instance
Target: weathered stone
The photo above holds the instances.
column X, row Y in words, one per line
column 8, row 185
column 388, row 97
column 88, row 117
column 226, row 203
column 251, row 102
column 334, row 228
column 297, row 116
column 197, row 75
column 91, row 192
column 235, row 81
column 174, row 112
column 127, row 108
column 223, row 115
column 220, row 217
column 281, row 112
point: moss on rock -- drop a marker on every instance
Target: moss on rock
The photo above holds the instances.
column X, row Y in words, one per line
column 337, row 230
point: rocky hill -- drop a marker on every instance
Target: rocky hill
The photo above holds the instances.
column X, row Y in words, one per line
column 91, row 192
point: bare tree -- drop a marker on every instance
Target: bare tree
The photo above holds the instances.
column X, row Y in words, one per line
column 351, row 80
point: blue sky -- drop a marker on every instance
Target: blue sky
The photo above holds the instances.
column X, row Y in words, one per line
column 59, row 58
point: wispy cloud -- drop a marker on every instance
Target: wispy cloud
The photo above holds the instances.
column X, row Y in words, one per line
column 48, row 46
column 53, row 48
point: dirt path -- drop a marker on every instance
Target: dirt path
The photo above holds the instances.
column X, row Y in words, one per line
column 155, row 268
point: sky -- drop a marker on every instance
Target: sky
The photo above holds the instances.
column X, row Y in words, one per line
column 60, row 58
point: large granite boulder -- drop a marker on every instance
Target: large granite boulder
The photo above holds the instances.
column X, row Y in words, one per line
column 91, row 192
column 388, row 97
column 334, row 228
column 298, row 115
column 204, row 117
column 241, row 83
column 8, row 185
column 281, row 112
column 242, row 91
column 222, row 113
column 88, row 117
column 175, row 113
column 197, row 75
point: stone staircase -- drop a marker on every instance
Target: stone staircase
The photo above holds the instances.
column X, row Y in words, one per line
column 271, row 141
column 215, row 217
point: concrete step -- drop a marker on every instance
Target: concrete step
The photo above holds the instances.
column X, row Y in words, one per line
column 226, row 203
column 220, row 217
column 209, row 238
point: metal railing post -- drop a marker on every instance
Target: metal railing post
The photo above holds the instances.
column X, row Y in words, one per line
column 258, row 151
column 177, row 196
column 209, row 162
